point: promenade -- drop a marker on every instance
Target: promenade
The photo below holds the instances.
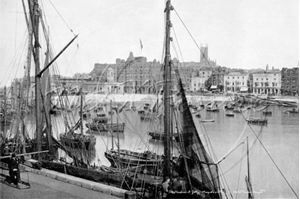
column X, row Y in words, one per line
column 48, row 187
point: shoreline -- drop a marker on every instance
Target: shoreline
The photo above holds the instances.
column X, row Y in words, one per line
column 132, row 99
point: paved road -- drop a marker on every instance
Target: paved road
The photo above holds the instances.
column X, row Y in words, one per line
column 44, row 187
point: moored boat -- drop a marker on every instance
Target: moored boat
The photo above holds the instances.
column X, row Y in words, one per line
column 161, row 136
column 267, row 112
column 105, row 127
column 257, row 121
column 140, row 161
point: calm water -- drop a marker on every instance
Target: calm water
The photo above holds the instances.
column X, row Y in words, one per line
column 278, row 139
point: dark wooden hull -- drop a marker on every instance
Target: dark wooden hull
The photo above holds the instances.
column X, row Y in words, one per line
column 135, row 161
column 105, row 127
column 267, row 112
column 161, row 136
column 212, row 110
column 230, row 114
column 109, row 178
column 257, row 121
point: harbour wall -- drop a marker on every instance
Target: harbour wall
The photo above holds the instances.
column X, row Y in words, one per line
column 105, row 189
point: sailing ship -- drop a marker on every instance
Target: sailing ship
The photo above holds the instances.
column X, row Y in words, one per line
column 194, row 168
column 68, row 142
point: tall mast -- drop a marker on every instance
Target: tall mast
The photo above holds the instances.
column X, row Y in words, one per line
column 30, row 35
column 5, row 109
column 34, row 13
column 111, row 124
column 81, row 114
column 248, row 180
column 167, row 93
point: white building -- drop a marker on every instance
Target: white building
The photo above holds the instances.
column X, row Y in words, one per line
column 198, row 81
column 267, row 82
column 235, row 82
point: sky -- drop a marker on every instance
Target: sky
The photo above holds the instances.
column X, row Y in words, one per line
column 239, row 33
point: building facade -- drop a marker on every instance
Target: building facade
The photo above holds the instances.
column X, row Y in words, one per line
column 290, row 81
column 267, row 82
column 199, row 79
column 236, row 82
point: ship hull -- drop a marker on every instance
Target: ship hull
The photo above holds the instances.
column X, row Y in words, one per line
column 146, row 162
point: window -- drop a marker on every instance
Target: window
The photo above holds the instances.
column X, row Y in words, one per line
column 238, row 77
column 257, row 79
column 274, row 78
column 266, row 78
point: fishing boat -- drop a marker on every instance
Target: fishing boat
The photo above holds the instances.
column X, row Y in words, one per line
column 137, row 161
column 78, row 140
column 229, row 114
column 161, row 136
column 106, row 127
column 257, row 121
column 292, row 111
column 212, row 109
column 101, row 124
column 267, row 112
column 206, row 120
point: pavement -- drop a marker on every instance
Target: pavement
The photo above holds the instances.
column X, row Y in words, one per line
column 50, row 187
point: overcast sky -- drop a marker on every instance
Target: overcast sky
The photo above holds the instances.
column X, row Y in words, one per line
column 239, row 33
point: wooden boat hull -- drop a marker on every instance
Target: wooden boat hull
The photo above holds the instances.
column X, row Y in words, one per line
column 267, row 112
column 161, row 136
column 257, row 121
column 229, row 114
column 212, row 110
column 105, row 127
column 212, row 120
column 148, row 162
column 109, row 178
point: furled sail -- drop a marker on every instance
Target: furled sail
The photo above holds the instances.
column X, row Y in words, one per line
column 201, row 169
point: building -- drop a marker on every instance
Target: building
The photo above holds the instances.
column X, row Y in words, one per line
column 236, row 82
column 290, row 81
column 267, row 82
column 198, row 81
column 74, row 85
column 136, row 73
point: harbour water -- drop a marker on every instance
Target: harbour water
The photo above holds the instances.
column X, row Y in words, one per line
column 274, row 148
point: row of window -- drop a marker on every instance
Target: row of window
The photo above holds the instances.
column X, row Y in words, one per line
column 237, row 83
column 237, row 77
column 266, row 84
column 266, row 79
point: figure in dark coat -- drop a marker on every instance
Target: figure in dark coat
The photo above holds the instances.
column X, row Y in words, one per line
column 14, row 172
